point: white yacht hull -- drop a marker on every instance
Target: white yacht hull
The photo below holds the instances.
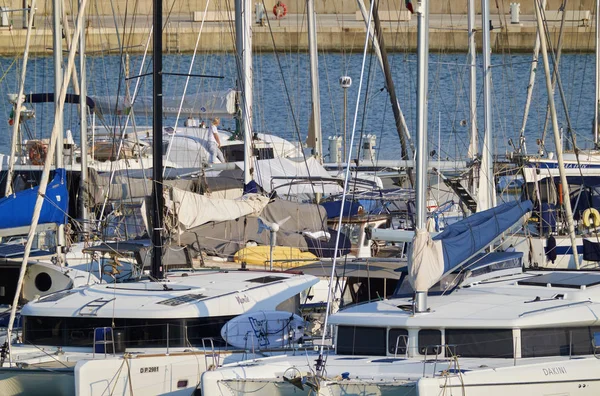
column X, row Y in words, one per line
column 177, row 373
column 36, row 382
column 393, row 376
column 534, row 254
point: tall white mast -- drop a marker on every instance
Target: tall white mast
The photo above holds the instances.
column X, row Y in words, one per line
column 557, row 137
column 474, row 142
column 486, row 193
column 314, row 80
column 83, row 131
column 532, row 74
column 19, row 104
column 52, row 146
column 422, row 12
column 597, row 96
column 58, row 76
column 58, row 82
column 243, row 41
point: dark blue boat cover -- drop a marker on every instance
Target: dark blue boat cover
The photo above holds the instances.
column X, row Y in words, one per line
column 16, row 210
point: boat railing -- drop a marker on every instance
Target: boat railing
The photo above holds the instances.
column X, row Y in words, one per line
column 449, row 355
column 208, row 347
column 406, row 340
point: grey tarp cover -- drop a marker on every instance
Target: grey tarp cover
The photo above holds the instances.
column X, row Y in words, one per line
column 124, row 187
column 226, row 238
column 131, row 185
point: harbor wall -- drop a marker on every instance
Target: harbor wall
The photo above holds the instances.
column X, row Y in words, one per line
column 338, row 27
column 183, row 39
column 144, row 7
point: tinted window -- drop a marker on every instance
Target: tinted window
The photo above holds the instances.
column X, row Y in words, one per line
column 58, row 331
column 557, row 341
column 352, row 340
column 481, row 342
column 429, row 341
column 397, row 341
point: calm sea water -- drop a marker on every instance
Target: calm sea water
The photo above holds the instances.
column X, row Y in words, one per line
column 282, row 95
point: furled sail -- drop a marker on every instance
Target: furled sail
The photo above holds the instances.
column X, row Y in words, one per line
column 431, row 258
column 16, row 209
column 205, row 104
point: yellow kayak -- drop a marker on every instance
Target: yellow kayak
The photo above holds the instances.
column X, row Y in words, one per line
column 284, row 257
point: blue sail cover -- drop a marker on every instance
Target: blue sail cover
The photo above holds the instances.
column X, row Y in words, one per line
column 465, row 238
column 431, row 258
column 16, row 210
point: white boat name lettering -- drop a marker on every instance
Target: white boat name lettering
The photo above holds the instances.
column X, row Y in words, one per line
column 242, row 300
column 145, row 370
column 554, row 371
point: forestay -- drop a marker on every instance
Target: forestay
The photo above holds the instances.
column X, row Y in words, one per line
column 432, row 258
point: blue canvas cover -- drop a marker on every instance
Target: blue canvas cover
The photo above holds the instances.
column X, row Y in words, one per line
column 465, row 238
column 16, row 210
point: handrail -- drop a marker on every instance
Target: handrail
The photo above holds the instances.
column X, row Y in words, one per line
column 556, row 307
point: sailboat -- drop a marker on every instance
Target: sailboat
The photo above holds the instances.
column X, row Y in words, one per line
column 508, row 332
column 165, row 328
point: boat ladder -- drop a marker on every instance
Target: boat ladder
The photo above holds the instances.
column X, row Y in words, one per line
column 463, row 195
column 103, row 337
column 92, row 307
column 213, row 355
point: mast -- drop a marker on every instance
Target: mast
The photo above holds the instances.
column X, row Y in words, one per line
column 486, row 193
column 314, row 80
column 597, row 91
column 243, row 41
column 473, row 142
column 18, row 104
column 53, row 145
column 58, row 82
column 156, row 269
column 532, row 73
column 389, row 83
column 58, row 75
column 83, row 133
column 422, row 12
column 378, row 52
column 557, row 139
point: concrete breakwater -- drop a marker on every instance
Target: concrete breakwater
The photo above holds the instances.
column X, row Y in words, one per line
column 336, row 32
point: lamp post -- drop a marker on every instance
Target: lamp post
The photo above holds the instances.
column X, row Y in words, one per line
column 345, row 83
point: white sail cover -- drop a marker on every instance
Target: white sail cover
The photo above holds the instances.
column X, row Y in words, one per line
column 194, row 210
column 431, row 258
column 426, row 261
column 204, row 104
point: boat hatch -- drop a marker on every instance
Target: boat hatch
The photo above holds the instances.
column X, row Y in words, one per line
column 173, row 302
column 568, row 280
column 267, row 279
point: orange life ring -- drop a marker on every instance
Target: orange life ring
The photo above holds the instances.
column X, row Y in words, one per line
column 37, row 153
column 279, row 10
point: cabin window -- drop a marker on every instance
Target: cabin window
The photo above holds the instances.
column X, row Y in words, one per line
column 355, row 340
column 430, row 341
column 491, row 343
column 136, row 333
column 557, row 341
column 397, row 341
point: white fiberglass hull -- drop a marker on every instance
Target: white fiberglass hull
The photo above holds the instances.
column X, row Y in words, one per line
column 398, row 376
column 139, row 374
